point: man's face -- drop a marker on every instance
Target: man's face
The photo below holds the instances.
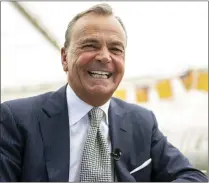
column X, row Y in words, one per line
column 95, row 58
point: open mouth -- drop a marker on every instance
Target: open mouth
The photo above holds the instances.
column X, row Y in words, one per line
column 100, row 74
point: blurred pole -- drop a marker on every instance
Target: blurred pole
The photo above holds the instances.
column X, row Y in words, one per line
column 36, row 24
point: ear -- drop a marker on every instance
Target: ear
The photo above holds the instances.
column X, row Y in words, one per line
column 64, row 59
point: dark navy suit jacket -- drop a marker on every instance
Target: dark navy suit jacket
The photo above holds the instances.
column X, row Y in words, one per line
column 34, row 143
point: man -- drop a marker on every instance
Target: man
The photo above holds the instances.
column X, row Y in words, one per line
column 80, row 133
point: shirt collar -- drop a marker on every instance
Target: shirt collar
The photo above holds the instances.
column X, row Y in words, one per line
column 77, row 108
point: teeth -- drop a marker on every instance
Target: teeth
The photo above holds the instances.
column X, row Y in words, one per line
column 100, row 72
column 99, row 76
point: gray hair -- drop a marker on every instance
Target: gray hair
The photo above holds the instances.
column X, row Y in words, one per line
column 99, row 9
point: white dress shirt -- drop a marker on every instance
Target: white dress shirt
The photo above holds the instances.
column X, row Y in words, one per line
column 79, row 125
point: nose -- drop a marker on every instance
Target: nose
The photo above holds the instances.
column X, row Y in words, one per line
column 103, row 55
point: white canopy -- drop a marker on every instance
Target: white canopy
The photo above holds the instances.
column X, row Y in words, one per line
column 164, row 38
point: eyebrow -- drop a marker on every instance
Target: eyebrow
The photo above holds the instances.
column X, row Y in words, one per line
column 88, row 40
column 96, row 41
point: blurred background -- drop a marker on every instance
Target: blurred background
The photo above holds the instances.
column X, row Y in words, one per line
column 166, row 61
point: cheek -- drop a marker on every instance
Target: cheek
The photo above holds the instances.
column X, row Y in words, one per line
column 79, row 62
column 85, row 58
column 119, row 64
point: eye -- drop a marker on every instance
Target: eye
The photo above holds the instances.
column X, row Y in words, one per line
column 116, row 50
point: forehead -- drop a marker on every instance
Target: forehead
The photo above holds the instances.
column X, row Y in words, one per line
column 98, row 26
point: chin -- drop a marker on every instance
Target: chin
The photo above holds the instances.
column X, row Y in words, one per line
column 100, row 90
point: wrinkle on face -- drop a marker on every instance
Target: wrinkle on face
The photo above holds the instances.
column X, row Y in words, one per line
column 96, row 46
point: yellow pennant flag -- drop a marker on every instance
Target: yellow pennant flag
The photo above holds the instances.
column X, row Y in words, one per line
column 164, row 89
column 187, row 79
column 121, row 94
column 202, row 80
column 142, row 94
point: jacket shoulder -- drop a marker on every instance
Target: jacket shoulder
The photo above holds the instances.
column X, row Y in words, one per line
column 28, row 104
column 131, row 107
column 136, row 112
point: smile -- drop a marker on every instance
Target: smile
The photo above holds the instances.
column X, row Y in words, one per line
column 100, row 74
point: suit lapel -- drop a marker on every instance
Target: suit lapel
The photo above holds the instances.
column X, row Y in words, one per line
column 121, row 137
column 54, row 125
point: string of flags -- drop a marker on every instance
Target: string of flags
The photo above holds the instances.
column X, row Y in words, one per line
column 190, row 80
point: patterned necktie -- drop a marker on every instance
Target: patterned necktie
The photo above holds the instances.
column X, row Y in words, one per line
column 96, row 160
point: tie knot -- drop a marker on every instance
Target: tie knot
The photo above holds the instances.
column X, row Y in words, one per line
column 95, row 116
